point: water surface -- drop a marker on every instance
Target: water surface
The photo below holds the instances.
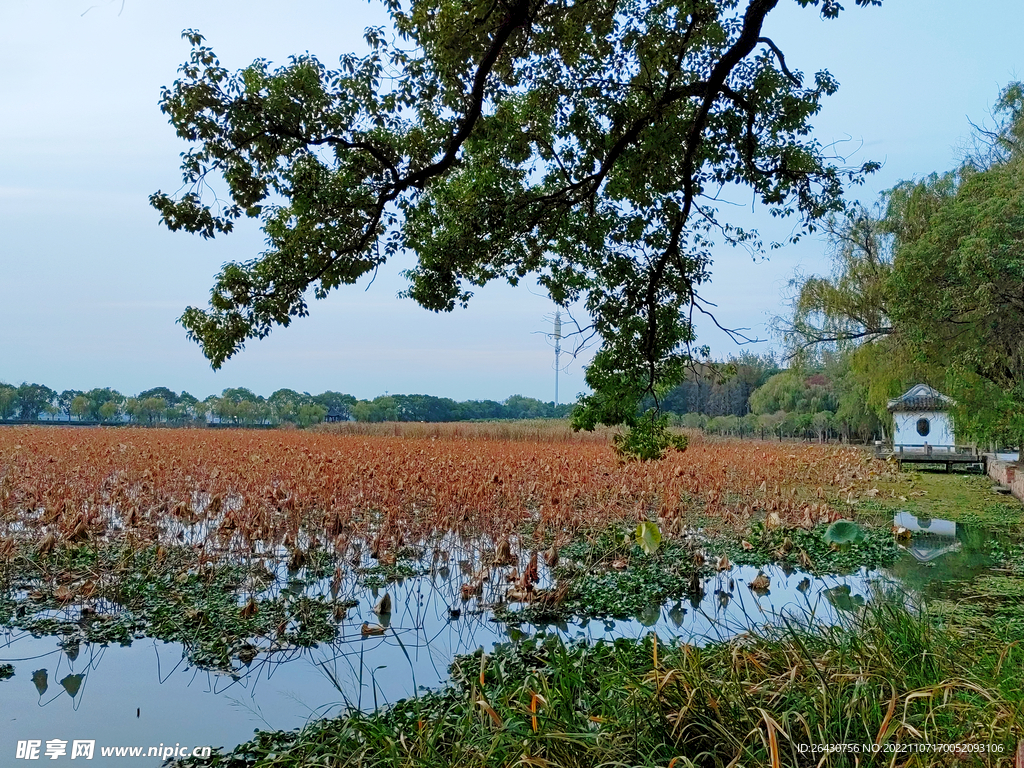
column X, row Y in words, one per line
column 148, row 693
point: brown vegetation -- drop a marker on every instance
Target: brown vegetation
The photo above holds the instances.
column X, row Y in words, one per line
column 532, row 430
column 241, row 491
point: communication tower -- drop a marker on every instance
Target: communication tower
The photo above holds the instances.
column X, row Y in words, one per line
column 558, row 349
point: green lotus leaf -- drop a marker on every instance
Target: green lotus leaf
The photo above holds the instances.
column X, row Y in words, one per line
column 842, row 533
column 648, row 537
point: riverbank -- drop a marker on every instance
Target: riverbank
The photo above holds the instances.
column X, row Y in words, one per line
column 1009, row 474
column 897, row 683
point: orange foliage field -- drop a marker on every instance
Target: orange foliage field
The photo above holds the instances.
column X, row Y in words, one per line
column 239, row 490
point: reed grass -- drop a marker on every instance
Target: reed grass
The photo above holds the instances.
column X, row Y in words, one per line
column 520, row 430
column 896, row 678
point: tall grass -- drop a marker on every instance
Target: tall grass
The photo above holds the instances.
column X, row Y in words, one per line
column 896, row 679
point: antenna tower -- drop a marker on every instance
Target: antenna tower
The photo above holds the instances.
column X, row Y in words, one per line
column 558, row 349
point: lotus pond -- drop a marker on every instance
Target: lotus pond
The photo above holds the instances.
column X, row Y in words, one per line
column 172, row 597
column 171, row 649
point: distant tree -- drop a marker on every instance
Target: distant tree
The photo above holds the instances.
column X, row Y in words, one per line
column 383, row 408
column 772, row 423
column 340, row 402
column 209, row 407
column 169, row 396
column 863, row 389
column 239, row 395
column 423, row 408
column 65, row 399
column 152, row 409
column 100, row 397
column 80, row 407
column 480, row 409
column 520, row 407
column 795, row 391
column 133, row 409
column 311, row 413
column 188, row 409
column 109, row 411
column 8, row 401
column 693, row 420
column 720, row 388
column 225, row 410
column 246, row 412
column 33, row 400
column 285, row 404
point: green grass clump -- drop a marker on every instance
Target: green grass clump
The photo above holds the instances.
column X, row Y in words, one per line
column 897, row 677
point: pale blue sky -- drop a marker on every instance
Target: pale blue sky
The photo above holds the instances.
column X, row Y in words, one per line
column 91, row 285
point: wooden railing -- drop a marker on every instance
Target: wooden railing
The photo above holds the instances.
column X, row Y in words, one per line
column 938, row 451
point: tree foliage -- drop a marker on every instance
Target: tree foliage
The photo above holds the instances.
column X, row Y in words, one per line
column 946, row 306
column 584, row 143
column 963, row 248
column 852, row 304
column 720, row 388
column 33, row 400
column 794, row 391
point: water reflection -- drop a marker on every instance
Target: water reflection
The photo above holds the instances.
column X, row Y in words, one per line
column 283, row 686
column 149, row 692
column 940, row 554
column 928, row 538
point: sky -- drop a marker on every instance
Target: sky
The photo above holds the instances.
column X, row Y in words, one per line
column 91, row 285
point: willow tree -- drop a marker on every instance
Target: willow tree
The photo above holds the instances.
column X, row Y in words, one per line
column 580, row 142
column 932, row 289
column 957, row 289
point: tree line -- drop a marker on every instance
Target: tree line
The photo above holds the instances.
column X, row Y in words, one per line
column 750, row 395
column 754, row 396
column 243, row 407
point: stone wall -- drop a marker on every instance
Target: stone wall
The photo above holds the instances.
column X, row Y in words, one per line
column 1008, row 473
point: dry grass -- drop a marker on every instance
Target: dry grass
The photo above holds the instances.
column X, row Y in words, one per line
column 237, row 490
column 529, row 430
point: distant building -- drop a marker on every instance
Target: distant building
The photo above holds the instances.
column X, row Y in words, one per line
column 921, row 417
column 334, row 413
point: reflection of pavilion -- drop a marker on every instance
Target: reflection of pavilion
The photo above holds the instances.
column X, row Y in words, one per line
column 930, row 538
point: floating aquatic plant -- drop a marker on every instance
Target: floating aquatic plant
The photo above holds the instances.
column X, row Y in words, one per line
column 844, row 533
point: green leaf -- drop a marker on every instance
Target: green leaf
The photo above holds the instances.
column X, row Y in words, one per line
column 842, row 533
column 648, row 537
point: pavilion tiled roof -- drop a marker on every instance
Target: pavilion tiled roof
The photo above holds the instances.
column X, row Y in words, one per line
column 921, row 398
